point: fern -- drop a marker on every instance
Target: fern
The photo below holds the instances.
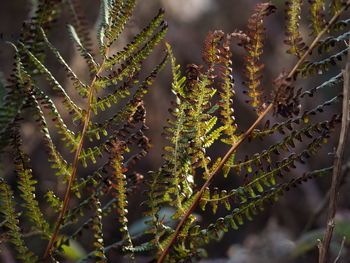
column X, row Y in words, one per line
column 102, row 130
column 294, row 39
column 317, row 8
column 12, row 223
column 254, row 48
column 26, row 185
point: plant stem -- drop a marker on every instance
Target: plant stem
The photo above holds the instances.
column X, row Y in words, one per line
column 75, row 164
column 338, row 160
column 234, row 147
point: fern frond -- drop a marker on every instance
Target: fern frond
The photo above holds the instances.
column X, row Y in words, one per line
column 7, row 205
column 266, row 179
column 133, row 65
column 340, row 25
column 80, row 23
column 44, row 16
column 328, row 43
column 254, row 49
column 55, row 158
column 286, row 126
column 320, row 67
column 96, row 129
column 294, row 38
column 249, row 207
column 103, row 23
column 67, row 102
column 119, row 185
column 26, row 185
column 226, row 93
column 120, row 13
column 77, row 83
column 164, row 183
column 284, row 145
column 54, row 201
column 71, row 140
column 13, row 101
column 120, row 93
column 332, row 82
column 335, row 6
column 139, row 40
column 88, row 224
column 92, row 64
column 99, row 256
column 317, row 8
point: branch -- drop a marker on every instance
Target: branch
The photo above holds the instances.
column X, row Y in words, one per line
column 338, row 160
column 325, row 202
column 244, row 137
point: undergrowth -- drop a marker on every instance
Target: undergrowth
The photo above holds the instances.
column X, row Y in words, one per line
column 202, row 118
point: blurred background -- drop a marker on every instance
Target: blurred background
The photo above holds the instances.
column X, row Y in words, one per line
column 285, row 232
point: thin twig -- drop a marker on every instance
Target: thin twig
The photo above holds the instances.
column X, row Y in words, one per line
column 244, row 137
column 340, row 250
column 338, row 159
column 325, row 202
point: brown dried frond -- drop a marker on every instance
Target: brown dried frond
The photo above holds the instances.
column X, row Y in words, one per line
column 285, row 101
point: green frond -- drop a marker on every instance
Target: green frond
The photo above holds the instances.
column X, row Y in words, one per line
column 143, row 37
column 217, row 55
column 56, row 86
column 26, row 185
column 294, row 38
column 113, row 98
column 54, row 201
column 103, row 22
column 119, row 185
column 107, row 209
column 178, row 83
column 7, row 206
column 317, row 9
column 267, row 179
column 98, row 243
column 254, row 49
column 120, row 13
column 92, row 64
column 336, row 6
column 13, row 101
column 55, row 158
column 213, row 136
column 286, row 144
column 247, row 209
column 96, row 129
column 71, row 140
column 132, row 66
column 44, row 16
column 92, row 153
column 81, row 88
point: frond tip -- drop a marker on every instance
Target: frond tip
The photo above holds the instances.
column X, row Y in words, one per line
column 7, row 206
column 254, row 49
column 294, row 38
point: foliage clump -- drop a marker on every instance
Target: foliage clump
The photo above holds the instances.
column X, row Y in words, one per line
column 202, row 117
